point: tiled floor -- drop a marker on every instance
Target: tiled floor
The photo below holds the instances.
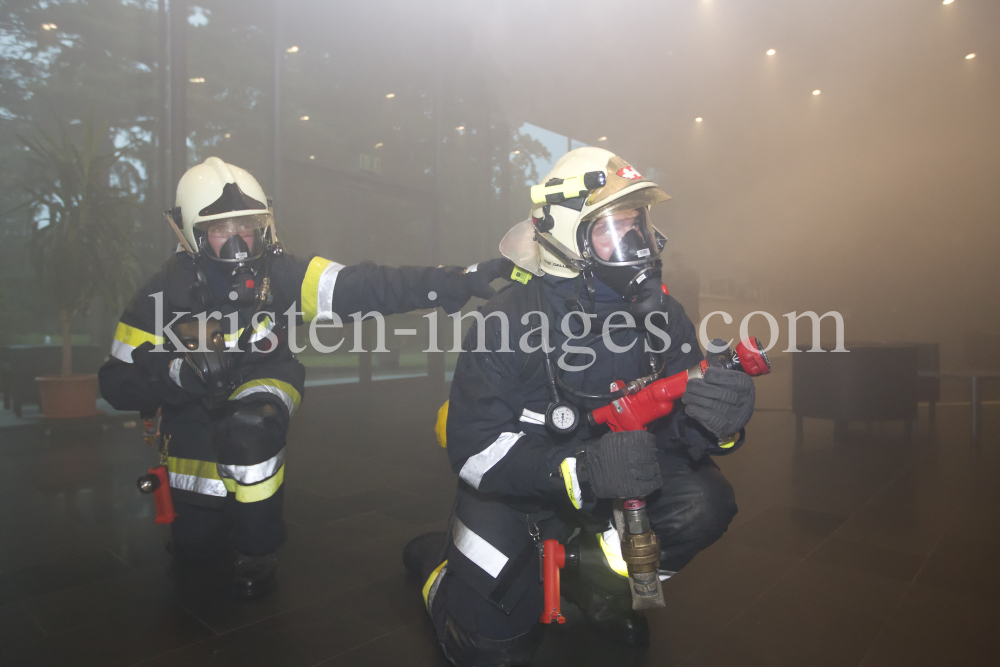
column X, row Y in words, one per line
column 874, row 553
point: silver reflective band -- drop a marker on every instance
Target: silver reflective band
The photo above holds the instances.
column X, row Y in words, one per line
column 324, row 291
column 256, row 473
column 268, row 389
column 478, row 550
column 175, row 371
column 531, row 417
column 434, row 587
column 665, row 574
column 122, row 351
column 202, row 485
column 477, row 466
column 473, row 268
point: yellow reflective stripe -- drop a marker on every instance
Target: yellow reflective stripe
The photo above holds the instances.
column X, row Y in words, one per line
column 569, row 478
column 286, row 392
column 726, row 444
column 613, row 556
column 310, row 287
column 257, row 492
column 193, row 467
column 430, row 582
column 135, row 337
column 441, row 426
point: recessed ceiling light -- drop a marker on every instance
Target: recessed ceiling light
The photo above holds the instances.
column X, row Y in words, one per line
column 947, row 2
column 227, row 135
column 460, row 128
column 602, row 138
column 312, row 157
column 389, row 96
column 197, row 79
column 970, row 56
column 515, row 152
column 303, row 117
column 816, row 92
column 698, row 119
column 378, row 145
column 292, row 49
column 771, row 52
column 49, row 26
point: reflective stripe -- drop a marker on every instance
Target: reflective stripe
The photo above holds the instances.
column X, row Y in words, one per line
column 530, row 417
column 317, row 289
column 664, row 574
column 478, row 550
column 729, row 442
column 257, row 492
column 432, row 583
column 254, row 473
column 259, row 332
column 203, row 477
column 477, row 466
column 175, row 371
column 612, row 547
column 288, row 394
column 128, row 338
column 473, row 268
column 568, row 470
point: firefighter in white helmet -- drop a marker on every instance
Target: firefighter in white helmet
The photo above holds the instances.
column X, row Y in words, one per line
column 227, row 386
column 529, row 467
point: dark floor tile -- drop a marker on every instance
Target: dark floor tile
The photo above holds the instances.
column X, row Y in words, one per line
column 306, row 508
column 888, row 563
column 933, row 627
column 390, row 603
column 17, row 625
column 423, row 510
column 301, row 637
column 408, row 646
column 49, row 577
column 120, row 640
column 964, row 566
column 787, row 530
column 726, row 651
column 818, row 583
column 784, row 628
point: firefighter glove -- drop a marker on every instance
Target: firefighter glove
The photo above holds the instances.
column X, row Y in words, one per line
column 722, row 401
column 621, row 465
column 168, row 367
column 482, row 274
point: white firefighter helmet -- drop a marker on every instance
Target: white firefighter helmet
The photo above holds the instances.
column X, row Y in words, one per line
column 530, row 243
column 215, row 191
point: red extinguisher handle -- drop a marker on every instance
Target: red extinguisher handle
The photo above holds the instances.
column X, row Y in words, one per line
column 161, row 496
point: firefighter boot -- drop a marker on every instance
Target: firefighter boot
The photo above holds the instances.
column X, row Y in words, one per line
column 253, row 576
column 423, row 554
column 603, row 595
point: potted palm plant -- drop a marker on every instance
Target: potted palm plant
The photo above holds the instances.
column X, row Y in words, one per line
column 83, row 205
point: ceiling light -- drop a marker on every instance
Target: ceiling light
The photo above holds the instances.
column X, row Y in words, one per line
column 292, row 49
column 970, row 56
column 378, row 145
column 515, row 152
column 698, row 119
column 947, row 2
column 602, row 138
column 460, row 128
column 389, row 96
column 303, row 117
column 312, row 157
column 197, row 79
column 49, row 26
column 227, row 135
column 816, row 92
column 771, row 52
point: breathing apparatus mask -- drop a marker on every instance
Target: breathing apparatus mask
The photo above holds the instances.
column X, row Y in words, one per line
column 236, row 246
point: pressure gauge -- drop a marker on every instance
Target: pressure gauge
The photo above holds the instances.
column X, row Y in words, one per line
column 562, row 418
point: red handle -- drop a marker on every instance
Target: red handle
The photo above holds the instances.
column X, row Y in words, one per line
column 161, row 497
column 553, row 558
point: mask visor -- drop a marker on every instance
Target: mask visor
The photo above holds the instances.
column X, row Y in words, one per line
column 622, row 238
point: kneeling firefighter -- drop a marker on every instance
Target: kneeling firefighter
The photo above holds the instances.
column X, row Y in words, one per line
column 530, row 467
column 205, row 342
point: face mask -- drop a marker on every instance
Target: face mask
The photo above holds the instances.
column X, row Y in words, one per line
column 642, row 288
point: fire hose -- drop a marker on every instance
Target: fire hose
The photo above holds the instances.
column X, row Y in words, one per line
column 643, row 401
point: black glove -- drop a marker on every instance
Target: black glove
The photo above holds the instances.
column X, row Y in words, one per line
column 621, row 465
column 485, row 273
column 158, row 365
column 722, row 402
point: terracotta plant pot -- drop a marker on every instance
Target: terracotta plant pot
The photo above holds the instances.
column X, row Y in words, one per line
column 65, row 397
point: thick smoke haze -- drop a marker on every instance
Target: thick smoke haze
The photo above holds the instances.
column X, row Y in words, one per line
column 877, row 197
